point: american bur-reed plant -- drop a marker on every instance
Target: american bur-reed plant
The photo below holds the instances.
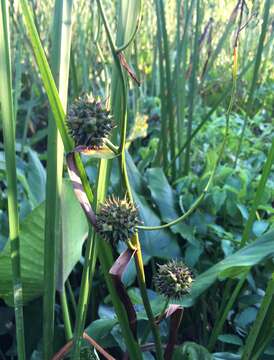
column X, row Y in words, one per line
column 86, row 129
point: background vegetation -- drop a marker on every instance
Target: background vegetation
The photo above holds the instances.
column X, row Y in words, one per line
column 190, row 86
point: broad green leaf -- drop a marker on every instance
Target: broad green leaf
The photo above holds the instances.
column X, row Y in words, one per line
column 219, row 197
column 74, row 233
column 100, row 330
column 232, row 272
column 159, row 243
column 246, row 257
column 245, row 318
column 191, row 351
column 32, row 248
column 259, row 227
column 230, row 339
column 36, row 176
column 162, row 194
column 226, row 356
column 192, row 254
column 165, row 199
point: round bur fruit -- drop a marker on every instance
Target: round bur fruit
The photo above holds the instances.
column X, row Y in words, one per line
column 173, row 280
column 89, row 122
column 117, row 220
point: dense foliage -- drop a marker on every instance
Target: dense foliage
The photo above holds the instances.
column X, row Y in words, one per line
column 141, row 223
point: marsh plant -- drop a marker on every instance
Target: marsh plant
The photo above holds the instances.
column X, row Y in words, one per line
column 135, row 174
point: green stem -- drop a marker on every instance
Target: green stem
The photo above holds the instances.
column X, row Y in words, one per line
column 48, row 80
column 255, row 76
column 252, row 337
column 71, row 295
column 218, row 326
column 179, row 77
column 259, row 193
column 207, row 117
column 136, row 244
column 60, row 66
column 66, row 316
column 8, row 121
column 193, row 85
column 86, row 284
column 168, row 94
column 163, row 148
column 148, row 328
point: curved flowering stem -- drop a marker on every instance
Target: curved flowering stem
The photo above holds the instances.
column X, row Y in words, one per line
column 134, row 243
column 131, row 38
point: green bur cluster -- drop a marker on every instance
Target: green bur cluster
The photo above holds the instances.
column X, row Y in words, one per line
column 117, row 220
column 173, row 280
column 89, row 122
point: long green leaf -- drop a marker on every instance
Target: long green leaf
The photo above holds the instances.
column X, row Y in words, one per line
column 7, row 111
column 61, row 36
column 193, row 85
column 48, row 80
column 233, row 265
column 74, row 233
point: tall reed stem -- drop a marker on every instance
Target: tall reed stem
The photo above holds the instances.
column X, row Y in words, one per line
column 193, row 85
column 8, row 122
column 86, row 284
column 163, row 148
column 60, row 66
column 168, row 90
column 254, row 76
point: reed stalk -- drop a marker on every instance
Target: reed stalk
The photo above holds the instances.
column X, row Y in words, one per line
column 8, row 122
column 163, row 148
column 168, row 89
column 255, row 76
column 61, row 36
column 193, row 86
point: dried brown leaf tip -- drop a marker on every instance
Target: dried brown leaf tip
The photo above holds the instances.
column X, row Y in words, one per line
column 89, row 122
column 117, row 220
column 173, row 280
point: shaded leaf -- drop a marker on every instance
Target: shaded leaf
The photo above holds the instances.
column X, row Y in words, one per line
column 100, row 330
column 246, row 257
column 191, row 351
column 230, row 339
column 159, row 243
column 32, row 248
column 36, row 176
column 226, row 356
column 74, row 233
column 259, row 227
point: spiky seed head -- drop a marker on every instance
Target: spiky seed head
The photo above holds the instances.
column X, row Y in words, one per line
column 173, row 279
column 117, row 220
column 89, row 122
